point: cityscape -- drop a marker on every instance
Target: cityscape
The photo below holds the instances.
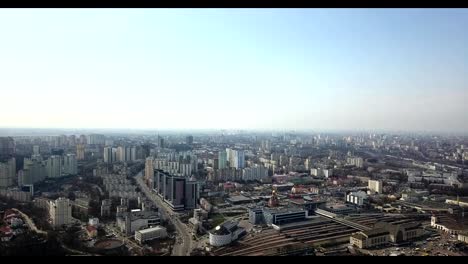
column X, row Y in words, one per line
column 252, row 132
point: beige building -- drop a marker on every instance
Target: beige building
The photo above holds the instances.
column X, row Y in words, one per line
column 384, row 233
column 463, row 237
column 149, row 169
column 375, row 186
column 80, row 152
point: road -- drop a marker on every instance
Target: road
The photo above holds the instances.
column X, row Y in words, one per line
column 125, row 239
column 184, row 243
column 30, row 222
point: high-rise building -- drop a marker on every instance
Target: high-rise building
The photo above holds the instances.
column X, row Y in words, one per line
column 375, row 186
column 7, row 147
column 192, row 194
column 149, row 169
column 160, row 142
column 96, row 139
column 83, row 140
column 108, row 155
column 222, row 159
column 178, row 192
column 255, row 173
column 237, row 159
column 80, row 152
column 60, row 212
column 133, row 154
column 54, row 166
column 355, row 161
column 34, row 171
column 70, row 166
column 7, row 173
column 36, row 150
column 189, row 140
column 72, row 140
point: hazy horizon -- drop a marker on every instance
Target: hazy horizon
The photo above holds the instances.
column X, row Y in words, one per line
column 242, row 69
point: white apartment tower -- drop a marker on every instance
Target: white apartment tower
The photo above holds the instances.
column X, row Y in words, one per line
column 60, row 212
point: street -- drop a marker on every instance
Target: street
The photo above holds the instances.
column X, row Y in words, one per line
column 183, row 245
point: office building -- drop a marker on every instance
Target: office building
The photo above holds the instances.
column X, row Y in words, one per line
column 273, row 216
column 178, row 192
column 375, row 186
column 80, row 152
column 256, row 216
column 54, row 166
column 70, row 165
column 60, row 212
column 192, row 193
column 149, row 234
column 7, row 173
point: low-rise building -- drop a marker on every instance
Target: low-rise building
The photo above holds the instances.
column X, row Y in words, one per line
column 384, row 233
column 225, row 234
column 144, row 235
column 463, row 237
column 358, row 198
column 129, row 222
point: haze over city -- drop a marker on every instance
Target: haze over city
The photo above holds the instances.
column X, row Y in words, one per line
column 245, row 132
column 291, row 69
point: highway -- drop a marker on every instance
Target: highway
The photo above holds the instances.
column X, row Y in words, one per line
column 184, row 243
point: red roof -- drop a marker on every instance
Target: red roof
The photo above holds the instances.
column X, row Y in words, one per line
column 91, row 228
column 6, row 230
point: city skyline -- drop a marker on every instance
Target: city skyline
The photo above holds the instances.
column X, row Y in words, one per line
column 244, row 69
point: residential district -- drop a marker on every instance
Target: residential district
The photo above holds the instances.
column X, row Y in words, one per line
column 233, row 193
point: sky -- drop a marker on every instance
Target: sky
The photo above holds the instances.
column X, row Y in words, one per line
column 299, row 69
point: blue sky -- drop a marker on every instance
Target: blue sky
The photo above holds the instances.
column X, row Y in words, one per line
column 353, row 69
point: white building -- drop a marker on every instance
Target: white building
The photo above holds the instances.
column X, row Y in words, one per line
column 355, row 161
column 318, row 172
column 375, row 186
column 130, row 222
column 94, row 222
column 225, row 234
column 60, row 212
column 358, row 198
column 7, row 173
column 144, row 235
column 256, row 172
